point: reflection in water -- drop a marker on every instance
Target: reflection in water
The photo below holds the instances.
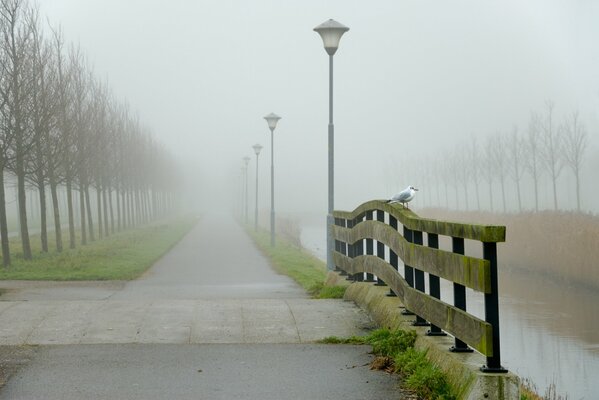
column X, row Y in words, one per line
column 549, row 331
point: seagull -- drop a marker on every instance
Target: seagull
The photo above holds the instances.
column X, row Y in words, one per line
column 404, row 197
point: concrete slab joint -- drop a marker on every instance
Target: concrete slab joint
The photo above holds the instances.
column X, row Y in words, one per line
column 462, row 369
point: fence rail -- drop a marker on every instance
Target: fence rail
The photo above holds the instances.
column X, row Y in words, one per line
column 379, row 221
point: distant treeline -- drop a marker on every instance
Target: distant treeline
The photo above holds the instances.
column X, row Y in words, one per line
column 561, row 245
column 505, row 171
column 60, row 127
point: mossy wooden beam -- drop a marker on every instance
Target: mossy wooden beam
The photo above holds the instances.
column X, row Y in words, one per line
column 483, row 233
column 473, row 331
column 469, row 271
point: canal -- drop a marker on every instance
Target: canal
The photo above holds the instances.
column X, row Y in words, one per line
column 549, row 330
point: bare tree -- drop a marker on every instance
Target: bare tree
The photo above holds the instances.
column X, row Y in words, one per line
column 575, row 141
column 551, row 151
column 533, row 154
column 16, row 24
column 463, row 170
column 6, row 155
column 488, row 168
column 516, row 151
column 42, row 115
column 474, row 161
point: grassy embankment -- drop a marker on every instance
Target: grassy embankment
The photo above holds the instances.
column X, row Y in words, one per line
column 289, row 259
column 122, row 256
column 396, row 353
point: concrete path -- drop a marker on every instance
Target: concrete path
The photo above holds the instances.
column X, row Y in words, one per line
column 212, row 304
column 200, row 292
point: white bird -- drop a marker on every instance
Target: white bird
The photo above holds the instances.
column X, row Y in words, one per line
column 405, row 196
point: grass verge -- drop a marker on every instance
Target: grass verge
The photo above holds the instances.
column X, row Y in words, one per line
column 529, row 391
column 396, row 353
column 307, row 270
column 122, row 256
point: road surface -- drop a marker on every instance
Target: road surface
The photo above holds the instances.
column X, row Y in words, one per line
column 210, row 320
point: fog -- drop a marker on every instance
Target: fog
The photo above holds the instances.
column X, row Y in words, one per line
column 412, row 80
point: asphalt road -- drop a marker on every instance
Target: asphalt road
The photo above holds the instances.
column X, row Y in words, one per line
column 210, row 320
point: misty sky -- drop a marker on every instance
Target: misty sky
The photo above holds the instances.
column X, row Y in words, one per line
column 411, row 77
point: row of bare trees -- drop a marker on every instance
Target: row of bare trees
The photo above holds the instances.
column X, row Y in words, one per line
column 500, row 163
column 61, row 127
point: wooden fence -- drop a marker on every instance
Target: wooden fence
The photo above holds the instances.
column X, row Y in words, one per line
column 378, row 221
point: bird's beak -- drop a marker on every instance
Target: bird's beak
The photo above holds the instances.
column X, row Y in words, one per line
column 415, row 189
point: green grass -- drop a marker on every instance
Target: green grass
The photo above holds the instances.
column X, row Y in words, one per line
column 397, row 348
column 307, row 270
column 122, row 256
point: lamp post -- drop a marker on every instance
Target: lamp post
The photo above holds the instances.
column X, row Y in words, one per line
column 257, row 149
column 331, row 31
column 272, row 120
column 246, row 161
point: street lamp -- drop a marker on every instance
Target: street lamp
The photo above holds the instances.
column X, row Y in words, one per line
column 272, row 120
column 246, row 161
column 257, row 149
column 331, row 32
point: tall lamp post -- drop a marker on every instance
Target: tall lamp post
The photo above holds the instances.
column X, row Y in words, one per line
column 272, row 120
column 331, row 31
column 246, row 161
column 257, row 149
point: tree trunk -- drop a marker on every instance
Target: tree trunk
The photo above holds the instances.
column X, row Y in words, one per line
column 22, row 201
column 536, row 185
column 90, row 220
column 3, row 223
column 138, row 216
column 56, row 213
column 125, row 222
column 446, row 196
column 82, row 214
column 577, row 190
column 105, row 206
column 99, row 207
column 131, row 210
column 503, row 193
column 44, row 227
column 554, row 178
column 111, row 210
column 70, row 213
column 118, row 209
column 491, row 195
column 519, row 196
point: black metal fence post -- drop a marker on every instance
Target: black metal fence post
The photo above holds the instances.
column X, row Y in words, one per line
column 492, row 309
column 358, row 251
column 380, row 246
column 343, row 247
column 393, row 258
column 419, row 278
column 434, row 284
column 459, row 296
column 408, row 271
column 369, row 246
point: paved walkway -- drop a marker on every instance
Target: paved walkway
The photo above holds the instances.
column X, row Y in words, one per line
column 200, row 292
column 214, row 293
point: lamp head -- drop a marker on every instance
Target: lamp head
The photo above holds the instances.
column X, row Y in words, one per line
column 257, row 148
column 331, row 31
column 272, row 120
